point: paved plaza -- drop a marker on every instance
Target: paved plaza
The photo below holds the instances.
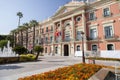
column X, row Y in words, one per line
column 45, row 63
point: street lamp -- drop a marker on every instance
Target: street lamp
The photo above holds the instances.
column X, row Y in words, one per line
column 83, row 56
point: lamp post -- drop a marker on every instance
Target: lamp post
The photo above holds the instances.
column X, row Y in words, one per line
column 83, row 56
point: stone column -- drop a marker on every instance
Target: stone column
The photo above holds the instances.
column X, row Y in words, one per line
column 73, row 29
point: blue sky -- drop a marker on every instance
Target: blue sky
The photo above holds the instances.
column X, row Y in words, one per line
column 31, row 9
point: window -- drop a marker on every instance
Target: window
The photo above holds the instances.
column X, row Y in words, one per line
column 51, row 28
column 110, row 47
column 67, row 36
column 92, row 16
column 46, row 29
column 108, row 32
column 93, row 33
column 42, row 30
column 78, row 18
column 56, row 50
column 94, row 47
column 51, row 39
column 78, row 35
column 106, row 12
column 78, row 48
column 46, row 50
column 46, row 39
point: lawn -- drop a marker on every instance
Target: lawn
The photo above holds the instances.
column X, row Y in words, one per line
column 74, row 72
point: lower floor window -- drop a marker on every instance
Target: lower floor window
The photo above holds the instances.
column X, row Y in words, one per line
column 45, row 50
column 56, row 50
column 78, row 48
column 110, row 47
column 94, row 47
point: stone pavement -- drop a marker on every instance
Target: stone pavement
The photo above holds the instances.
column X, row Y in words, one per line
column 46, row 63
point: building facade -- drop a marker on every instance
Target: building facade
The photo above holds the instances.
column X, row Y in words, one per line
column 61, row 33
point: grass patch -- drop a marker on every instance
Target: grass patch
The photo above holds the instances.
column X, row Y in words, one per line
column 102, row 58
column 74, row 72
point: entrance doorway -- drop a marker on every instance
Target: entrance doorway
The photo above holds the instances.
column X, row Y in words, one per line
column 66, row 50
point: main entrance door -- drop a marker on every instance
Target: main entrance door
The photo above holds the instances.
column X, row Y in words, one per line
column 66, row 50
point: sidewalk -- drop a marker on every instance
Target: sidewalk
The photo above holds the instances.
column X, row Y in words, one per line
column 47, row 64
column 16, row 76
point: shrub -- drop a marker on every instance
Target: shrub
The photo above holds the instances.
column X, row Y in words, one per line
column 3, row 43
column 27, row 57
column 38, row 49
column 20, row 49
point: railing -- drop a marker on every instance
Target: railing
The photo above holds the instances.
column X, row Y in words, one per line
column 91, row 38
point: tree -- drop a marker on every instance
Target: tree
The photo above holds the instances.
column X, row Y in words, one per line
column 20, row 15
column 3, row 43
column 27, row 26
column 20, row 49
column 33, row 23
column 38, row 49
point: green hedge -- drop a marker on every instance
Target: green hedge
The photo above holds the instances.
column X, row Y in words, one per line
column 27, row 57
column 21, row 58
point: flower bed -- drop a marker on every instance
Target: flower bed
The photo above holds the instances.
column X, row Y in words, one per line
column 74, row 72
column 102, row 58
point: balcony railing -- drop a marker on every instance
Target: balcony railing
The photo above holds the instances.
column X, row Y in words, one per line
column 91, row 38
column 67, row 40
column 94, row 18
column 110, row 36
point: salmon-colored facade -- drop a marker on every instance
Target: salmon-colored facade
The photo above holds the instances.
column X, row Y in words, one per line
column 99, row 20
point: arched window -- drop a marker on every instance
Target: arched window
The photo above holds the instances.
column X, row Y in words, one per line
column 67, row 23
column 78, row 48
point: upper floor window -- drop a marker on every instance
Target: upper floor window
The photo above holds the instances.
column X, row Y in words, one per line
column 51, row 38
column 42, row 30
column 108, row 32
column 92, row 16
column 46, row 39
column 51, row 28
column 46, row 29
column 106, row 12
column 78, row 35
column 67, row 36
column 110, row 47
column 93, row 33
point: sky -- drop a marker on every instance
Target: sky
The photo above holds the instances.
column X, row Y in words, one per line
column 32, row 10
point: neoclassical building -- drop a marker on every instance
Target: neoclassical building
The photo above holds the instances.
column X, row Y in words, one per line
column 61, row 33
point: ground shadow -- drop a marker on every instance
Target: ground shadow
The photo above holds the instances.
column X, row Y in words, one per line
column 8, row 67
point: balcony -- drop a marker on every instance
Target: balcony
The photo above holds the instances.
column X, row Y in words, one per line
column 67, row 40
column 92, row 38
column 111, row 37
column 78, row 39
column 93, row 18
column 107, row 15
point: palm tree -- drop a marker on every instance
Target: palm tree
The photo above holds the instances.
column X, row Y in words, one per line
column 27, row 26
column 13, row 33
column 33, row 23
column 20, row 15
column 21, row 28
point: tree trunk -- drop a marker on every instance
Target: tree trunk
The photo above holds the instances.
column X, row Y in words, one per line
column 33, row 36
column 37, row 55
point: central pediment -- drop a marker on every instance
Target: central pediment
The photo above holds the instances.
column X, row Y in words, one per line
column 68, row 7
